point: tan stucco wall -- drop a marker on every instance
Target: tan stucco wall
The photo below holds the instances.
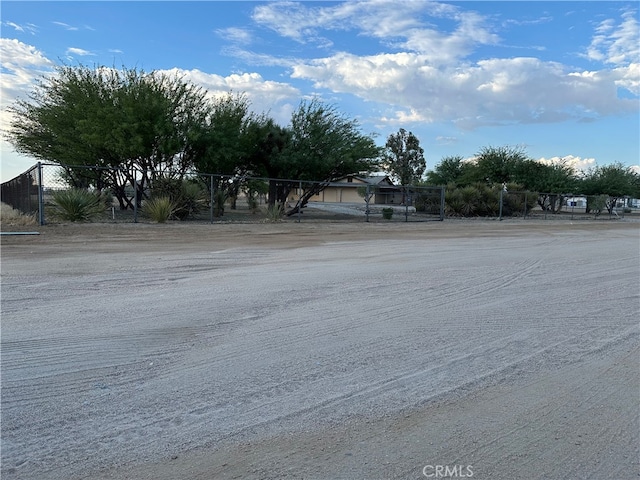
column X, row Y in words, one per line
column 337, row 195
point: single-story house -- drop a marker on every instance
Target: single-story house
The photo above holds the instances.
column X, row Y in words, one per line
column 349, row 189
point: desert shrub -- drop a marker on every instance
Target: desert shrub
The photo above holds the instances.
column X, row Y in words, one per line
column 513, row 204
column 427, row 202
column 482, row 200
column 220, row 197
column 188, row 196
column 254, row 189
column 488, row 200
column 11, row 216
column 387, row 213
column 274, row 213
column 596, row 204
column 471, row 200
column 252, row 202
column 158, row 209
column 453, row 202
column 77, row 205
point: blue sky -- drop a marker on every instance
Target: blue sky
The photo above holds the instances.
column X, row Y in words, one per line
column 560, row 79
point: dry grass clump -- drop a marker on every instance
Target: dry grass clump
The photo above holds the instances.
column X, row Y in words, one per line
column 159, row 209
column 11, row 216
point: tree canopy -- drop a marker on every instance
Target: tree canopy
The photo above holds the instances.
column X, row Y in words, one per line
column 615, row 181
column 450, row 170
column 323, row 146
column 141, row 124
column 403, row 157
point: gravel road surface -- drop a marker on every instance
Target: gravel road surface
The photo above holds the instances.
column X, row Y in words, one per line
column 483, row 349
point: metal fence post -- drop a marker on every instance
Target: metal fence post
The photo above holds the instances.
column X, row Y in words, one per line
column 135, row 199
column 366, row 199
column 406, row 205
column 211, row 199
column 442, row 202
column 299, row 199
column 40, row 195
column 500, row 214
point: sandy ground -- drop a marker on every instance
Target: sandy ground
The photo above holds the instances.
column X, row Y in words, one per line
column 491, row 350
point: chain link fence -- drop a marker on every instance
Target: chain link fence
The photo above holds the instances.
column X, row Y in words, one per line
column 25, row 193
column 125, row 193
column 558, row 206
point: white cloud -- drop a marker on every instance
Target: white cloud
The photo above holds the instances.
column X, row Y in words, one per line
column 489, row 92
column 79, row 51
column 534, row 21
column 277, row 99
column 618, row 44
column 235, row 35
column 430, row 77
column 578, row 164
column 26, row 28
column 404, row 117
column 22, row 64
column 259, row 59
column 628, row 77
column 66, row 26
column 397, row 24
column 288, row 19
column 15, row 26
column 443, row 140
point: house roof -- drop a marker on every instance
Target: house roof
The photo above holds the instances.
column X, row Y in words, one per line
column 366, row 179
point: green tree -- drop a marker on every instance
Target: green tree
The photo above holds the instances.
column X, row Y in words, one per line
column 323, row 146
column 615, row 181
column 551, row 182
column 498, row 164
column 218, row 147
column 221, row 141
column 450, row 170
column 403, row 158
column 141, row 125
column 268, row 141
column 542, row 177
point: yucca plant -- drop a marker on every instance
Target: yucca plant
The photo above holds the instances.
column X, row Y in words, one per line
column 220, row 197
column 77, row 205
column 188, row 196
column 470, row 198
column 159, row 209
column 453, row 202
column 489, row 200
column 274, row 213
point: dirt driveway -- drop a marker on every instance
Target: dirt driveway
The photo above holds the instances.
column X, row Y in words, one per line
column 456, row 349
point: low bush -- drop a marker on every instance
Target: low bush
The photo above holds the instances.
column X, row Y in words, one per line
column 481, row 200
column 11, row 216
column 159, row 209
column 188, row 196
column 77, row 205
column 274, row 213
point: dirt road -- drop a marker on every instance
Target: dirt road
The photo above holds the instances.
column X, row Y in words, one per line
column 491, row 350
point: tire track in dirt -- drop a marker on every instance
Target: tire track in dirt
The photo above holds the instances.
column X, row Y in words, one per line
column 214, row 351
